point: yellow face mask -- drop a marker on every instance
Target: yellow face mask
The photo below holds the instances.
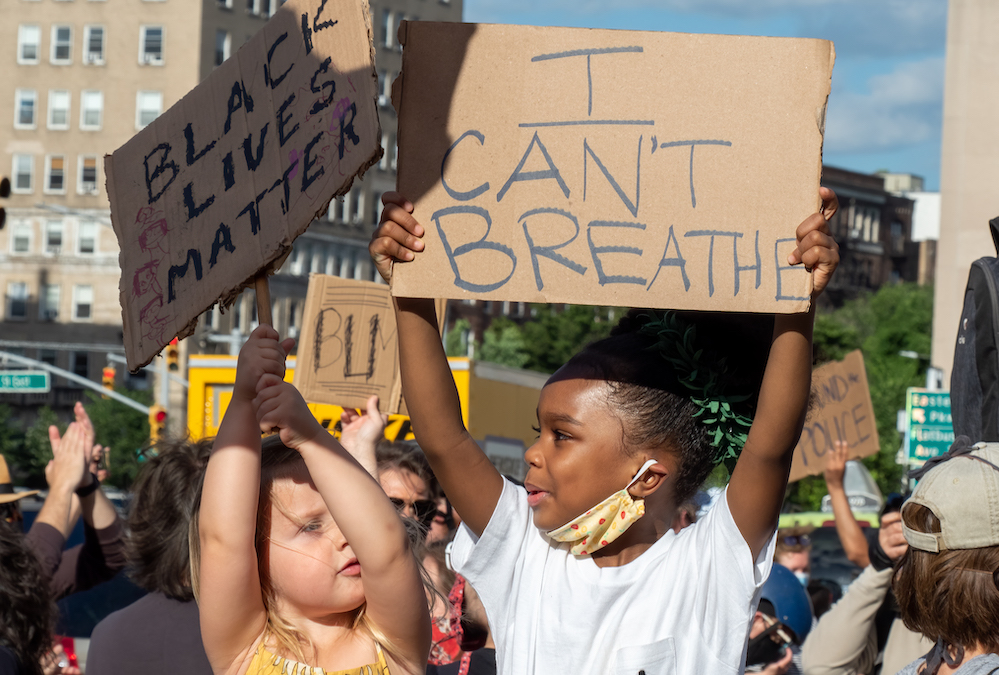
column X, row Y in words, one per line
column 605, row 522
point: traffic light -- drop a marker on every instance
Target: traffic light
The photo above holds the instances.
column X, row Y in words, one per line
column 4, row 193
column 107, row 378
column 172, row 356
column 157, row 422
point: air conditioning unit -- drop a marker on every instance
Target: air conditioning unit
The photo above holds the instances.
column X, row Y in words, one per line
column 55, row 250
column 50, row 314
column 383, row 100
column 152, row 59
column 94, row 58
column 89, row 189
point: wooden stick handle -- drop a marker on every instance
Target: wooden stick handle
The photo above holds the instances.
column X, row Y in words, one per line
column 263, row 291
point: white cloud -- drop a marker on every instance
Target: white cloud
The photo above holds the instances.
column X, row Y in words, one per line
column 899, row 109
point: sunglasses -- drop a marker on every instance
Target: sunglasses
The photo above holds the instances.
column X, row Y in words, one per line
column 796, row 540
column 424, row 510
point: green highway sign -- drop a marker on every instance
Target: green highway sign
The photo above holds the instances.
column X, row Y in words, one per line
column 24, row 382
column 929, row 429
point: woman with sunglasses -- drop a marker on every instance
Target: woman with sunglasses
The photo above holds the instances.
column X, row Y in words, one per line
column 794, row 551
column 406, row 478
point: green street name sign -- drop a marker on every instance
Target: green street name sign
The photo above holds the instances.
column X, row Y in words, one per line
column 24, row 382
column 929, row 430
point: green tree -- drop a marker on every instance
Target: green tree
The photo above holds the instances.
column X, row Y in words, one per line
column 456, row 340
column 553, row 336
column 544, row 343
column 32, row 451
column 11, row 434
column 504, row 343
column 894, row 319
column 122, row 430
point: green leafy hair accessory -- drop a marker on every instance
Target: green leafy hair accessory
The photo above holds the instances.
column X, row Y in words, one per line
column 706, row 378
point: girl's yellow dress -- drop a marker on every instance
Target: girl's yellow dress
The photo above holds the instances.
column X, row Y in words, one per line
column 265, row 663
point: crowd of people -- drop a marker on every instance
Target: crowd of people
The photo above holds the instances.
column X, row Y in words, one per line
column 278, row 548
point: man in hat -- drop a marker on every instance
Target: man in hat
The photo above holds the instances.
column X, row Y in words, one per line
column 9, row 510
column 74, row 490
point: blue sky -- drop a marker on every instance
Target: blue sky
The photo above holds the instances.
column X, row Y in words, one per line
column 885, row 111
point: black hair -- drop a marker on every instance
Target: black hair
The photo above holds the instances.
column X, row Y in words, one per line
column 27, row 611
column 656, row 408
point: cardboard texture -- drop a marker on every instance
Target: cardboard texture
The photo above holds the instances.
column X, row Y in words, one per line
column 841, row 410
column 219, row 186
column 609, row 167
column 349, row 347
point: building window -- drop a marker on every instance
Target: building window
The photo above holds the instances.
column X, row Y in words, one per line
column 24, row 169
column 17, row 300
column 48, row 302
column 222, row 46
column 148, row 105
column 53, row 236
column 62, row 45
column 382, row 80
column 83, row 303
column 26, row 107
column 80, row 363
column 93, row 45
column 55, row 174
column 356, row 207
column 87, row 240
column 151, row 45
column 91, row 109
column 88, row 175
column 20, row 240
column 48, row 356
column 376, row 207
column 58, row 109
column 388, row 23
column 383, row 163
column 29, row 40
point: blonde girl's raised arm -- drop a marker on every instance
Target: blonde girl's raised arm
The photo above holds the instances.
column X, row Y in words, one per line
column 393, row 588
column 469, row 480
column 230, row 603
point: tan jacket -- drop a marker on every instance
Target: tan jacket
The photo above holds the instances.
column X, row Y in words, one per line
column 844, row 641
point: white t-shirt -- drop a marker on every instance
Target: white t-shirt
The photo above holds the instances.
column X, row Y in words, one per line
column 683, row 606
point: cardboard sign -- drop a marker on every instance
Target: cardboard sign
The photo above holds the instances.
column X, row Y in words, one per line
column 220, row 185
column 608, row 167
column 841, row 411
column 349, row 347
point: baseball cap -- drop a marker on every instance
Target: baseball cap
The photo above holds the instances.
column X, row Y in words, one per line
column 961, row 488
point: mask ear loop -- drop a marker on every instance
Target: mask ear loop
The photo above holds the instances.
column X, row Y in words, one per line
column 641, row 472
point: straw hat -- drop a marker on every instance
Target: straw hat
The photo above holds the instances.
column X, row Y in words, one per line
column 7, row 493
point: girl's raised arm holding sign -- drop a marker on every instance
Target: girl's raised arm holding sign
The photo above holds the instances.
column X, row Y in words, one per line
column 628, row 429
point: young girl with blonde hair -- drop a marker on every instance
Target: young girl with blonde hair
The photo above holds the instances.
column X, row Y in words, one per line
column 300, row 559
column 628, row 429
